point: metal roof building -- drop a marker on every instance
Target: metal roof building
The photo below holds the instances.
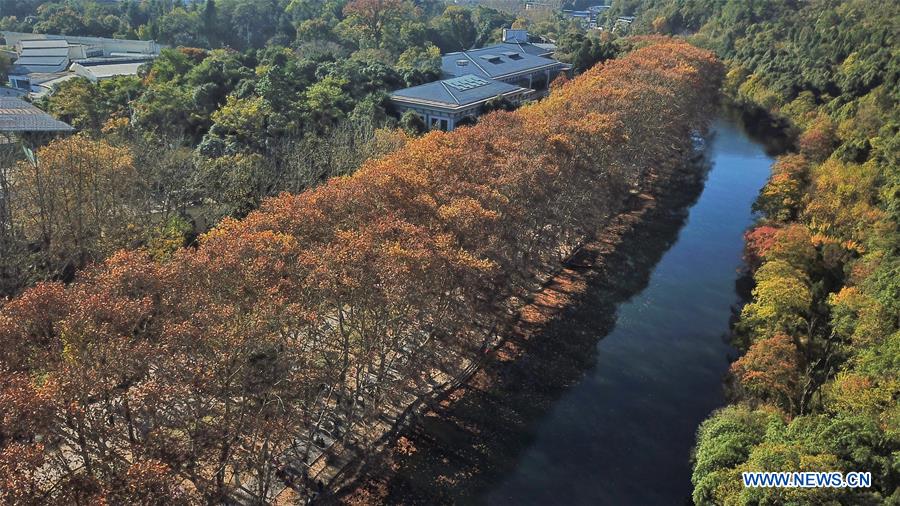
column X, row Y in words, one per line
column 443, row 104
column 456, row 92
column 98, row 69
column 88, row 46
column 42, row 56
column 534, row 49
column 505, row 62
column 18, row 116
column 515, row 70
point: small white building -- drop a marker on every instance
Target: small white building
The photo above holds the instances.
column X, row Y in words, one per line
column 99, row 69
column 44, row 60
column 92, row 46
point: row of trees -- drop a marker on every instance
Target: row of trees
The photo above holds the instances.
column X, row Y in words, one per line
column 294, row 331
column 212, row 131
column 215, row 131
column 817, row 387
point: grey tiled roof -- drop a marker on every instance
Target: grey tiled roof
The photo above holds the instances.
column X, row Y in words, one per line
column 111, row 70
column 6, row 91
column 41, row 60
column 16, row 115
column 495, row 61
column 39, row 64
column 457, row 92
column 45, row 43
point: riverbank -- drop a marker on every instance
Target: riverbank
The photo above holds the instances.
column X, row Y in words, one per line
column 460, row 443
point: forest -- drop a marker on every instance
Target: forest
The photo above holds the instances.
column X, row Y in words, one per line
column 223, row 120
column 817, row 386
column 243, row 264
column 294, row 332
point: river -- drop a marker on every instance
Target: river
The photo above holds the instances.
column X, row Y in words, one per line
column 623, row 433
column 603, row 404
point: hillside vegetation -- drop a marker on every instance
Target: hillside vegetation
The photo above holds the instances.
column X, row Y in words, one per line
column 818, row 386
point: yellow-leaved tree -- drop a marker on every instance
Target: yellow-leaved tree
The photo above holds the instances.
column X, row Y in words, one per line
column 74, row 202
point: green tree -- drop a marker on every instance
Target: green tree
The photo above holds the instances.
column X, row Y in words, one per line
column 412, row 123
column 181, row 28
column 326, row 100
column 215, row 77
column 455, row 29
column 78, row 102
column 386, row 24
column 243, row 122
column 166, row 109
column 211, row 22
column 724, row 443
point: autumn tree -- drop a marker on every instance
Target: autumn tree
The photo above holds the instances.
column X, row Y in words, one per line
column 769, row 371
column 75, row 201
column 825, row 250
column 780, row 198
column 781, row 301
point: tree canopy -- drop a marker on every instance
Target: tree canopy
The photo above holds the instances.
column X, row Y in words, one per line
column 313, row 318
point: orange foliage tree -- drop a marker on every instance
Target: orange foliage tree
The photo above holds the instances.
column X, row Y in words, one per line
column 769, row 372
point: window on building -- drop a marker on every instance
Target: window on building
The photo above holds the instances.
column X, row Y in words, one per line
column 439, row 123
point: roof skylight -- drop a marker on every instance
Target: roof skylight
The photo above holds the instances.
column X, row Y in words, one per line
column 466, row 82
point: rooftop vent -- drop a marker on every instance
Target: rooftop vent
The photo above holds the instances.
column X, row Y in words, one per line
column 512, row 55
column 462, row 63
column 492, row 58
column 510, row 35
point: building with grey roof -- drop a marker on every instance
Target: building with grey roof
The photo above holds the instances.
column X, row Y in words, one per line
column 99, row 69
column 534, row 49
column 443, row 104
column 45, row 84
column 514, row 70
column 507, row 62
column 589, row 18
column 43, row 58
column 92, row 46
column 40, row 56
column 523, row 41
column 18, row 117
column 11, row 92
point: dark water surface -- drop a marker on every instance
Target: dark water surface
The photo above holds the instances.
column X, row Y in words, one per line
column 622, row 433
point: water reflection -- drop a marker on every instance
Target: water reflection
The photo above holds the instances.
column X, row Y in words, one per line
column 633, row 417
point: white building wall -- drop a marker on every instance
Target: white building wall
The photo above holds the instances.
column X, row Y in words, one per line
column 107, row 46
